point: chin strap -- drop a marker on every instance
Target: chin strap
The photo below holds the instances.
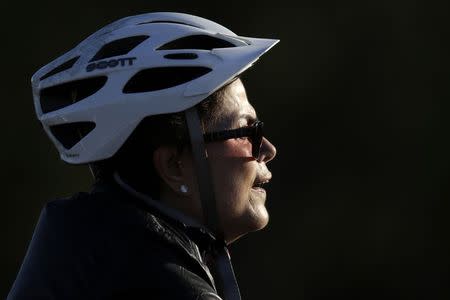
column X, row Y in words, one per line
column 226, row 282
column 205, row 185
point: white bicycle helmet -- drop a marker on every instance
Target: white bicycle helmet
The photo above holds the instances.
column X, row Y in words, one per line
column 91, row 99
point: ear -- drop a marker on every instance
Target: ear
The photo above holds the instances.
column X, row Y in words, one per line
column 167, row 162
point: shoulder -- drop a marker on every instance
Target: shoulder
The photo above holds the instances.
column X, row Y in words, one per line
column 77, row 243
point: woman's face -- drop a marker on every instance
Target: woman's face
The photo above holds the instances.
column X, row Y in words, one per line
column 236, row 174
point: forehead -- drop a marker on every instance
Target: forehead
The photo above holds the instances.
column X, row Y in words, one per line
column 236, row 108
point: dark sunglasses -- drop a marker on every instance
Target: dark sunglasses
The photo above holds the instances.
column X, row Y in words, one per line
column 253, row 132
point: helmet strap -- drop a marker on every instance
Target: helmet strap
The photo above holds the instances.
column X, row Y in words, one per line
column 204, row 182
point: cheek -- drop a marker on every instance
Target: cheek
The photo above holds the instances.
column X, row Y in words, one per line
column 231, row 160
column 233, row 170
column 235, row 148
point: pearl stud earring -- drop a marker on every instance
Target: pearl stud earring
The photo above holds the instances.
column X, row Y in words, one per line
column 183, row 189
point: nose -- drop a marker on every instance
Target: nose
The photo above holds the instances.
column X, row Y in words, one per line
column 267, row 152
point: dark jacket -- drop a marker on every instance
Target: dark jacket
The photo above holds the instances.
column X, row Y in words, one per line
column 107, row 244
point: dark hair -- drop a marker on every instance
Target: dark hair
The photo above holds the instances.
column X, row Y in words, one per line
column 134, row 160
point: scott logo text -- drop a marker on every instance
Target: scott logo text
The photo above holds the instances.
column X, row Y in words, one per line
column 112, row 63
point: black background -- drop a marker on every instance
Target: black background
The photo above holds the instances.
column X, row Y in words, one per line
column 355, row 99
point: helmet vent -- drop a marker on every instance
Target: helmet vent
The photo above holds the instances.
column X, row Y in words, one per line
column 155, row 79
column 65, row 66
column 201, row 42
column 169, row 22
column 60, row 96
column 181, row 56
column 70, row 134
column 119, row 47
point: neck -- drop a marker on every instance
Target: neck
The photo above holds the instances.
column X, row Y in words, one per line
column 186, row 205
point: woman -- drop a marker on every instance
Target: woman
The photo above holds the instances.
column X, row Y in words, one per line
column 153, row 103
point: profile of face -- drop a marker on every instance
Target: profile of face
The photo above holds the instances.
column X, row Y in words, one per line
column 236, row 175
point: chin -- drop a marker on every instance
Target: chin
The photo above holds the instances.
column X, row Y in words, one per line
column 259, row 217
column 261, row 220
column 256, row 220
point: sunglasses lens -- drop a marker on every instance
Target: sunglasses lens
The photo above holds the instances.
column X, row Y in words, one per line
column 257, row 140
